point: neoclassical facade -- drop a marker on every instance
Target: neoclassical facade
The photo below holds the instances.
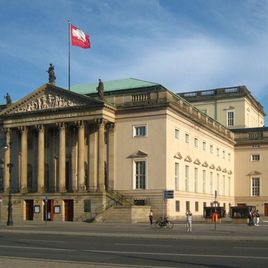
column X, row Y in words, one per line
column 72, row 156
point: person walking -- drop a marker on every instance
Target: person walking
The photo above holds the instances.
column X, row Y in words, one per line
column 188, row 215
column 151, row 215
column 257, row 215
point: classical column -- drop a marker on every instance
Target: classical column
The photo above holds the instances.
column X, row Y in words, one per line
column 101, row 153
column 81, row 156
column 7, row 159
column 41, row 159
column 62, row 186
column 110, row 155
column 93, row 152
column 74, row 159
column 24, row 160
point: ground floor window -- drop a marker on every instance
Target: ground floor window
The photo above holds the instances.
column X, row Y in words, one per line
column 255, row 186
column 140, row 174
column 177, row 206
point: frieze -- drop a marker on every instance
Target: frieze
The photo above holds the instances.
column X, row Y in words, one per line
column 48, row 101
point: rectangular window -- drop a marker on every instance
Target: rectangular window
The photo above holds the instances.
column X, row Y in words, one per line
column 187, row 205
column 223, row 154
column 177, row 134
column 229, row 157
column 196, row 180
column 255, row 157
column 218, row 151
column 204, row 146
column 196, row 142
column 230, row 118
column 139, row 131
column 204, row 181
column 218, row 183
column 187, row 178
column 177, row 176
column 196, row 206
column 211, row 183
column 255, row 186
column 229, row 186
column 211, row 148
column 186, row 138
column 177, row 204
column 223, row 185
column 140, row 174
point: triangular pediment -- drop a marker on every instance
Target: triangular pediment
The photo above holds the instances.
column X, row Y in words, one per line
column 254, row 173
column 188, row 159
column 138, row 154
column 197, row 161
column 178, row 155
column 49, row 97
column 205, row 164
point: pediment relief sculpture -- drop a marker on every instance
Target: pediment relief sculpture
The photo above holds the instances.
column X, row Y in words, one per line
column 188, row 159
column 197, row 162
column 138, row 154
column 47, row 101
column 178, row 156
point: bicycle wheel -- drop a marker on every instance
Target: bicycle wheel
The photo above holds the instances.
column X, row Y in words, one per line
column 170, row 225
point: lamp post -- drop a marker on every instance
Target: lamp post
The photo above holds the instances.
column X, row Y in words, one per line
column 9, row 210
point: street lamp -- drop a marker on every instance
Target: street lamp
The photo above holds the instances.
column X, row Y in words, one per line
column 9, row 209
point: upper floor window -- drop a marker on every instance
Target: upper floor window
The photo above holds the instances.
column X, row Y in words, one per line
column 223, row 154
column 196, row 142
column 176, row 176
column 218, row 151
column 255, row 186
column 177, row 134
column 211, row 148
column 204, row 145
column 139, row 131
column 187, row 138
column 230, row 118
column 255, row 157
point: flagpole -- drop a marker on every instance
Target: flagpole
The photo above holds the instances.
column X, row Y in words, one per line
column 69, row 56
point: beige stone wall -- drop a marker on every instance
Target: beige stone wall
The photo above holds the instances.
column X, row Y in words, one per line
column 245, row 170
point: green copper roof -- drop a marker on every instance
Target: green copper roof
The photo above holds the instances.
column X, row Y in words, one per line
column 122, row 84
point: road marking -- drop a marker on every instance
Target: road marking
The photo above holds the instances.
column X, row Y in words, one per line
column 254, row 248
column 177, row 254
column 39, row 240
column 144, row 245
column 37, row 248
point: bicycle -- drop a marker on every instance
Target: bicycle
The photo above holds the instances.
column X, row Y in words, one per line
column 162, row 223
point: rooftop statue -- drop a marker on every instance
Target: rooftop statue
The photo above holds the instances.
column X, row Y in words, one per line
column 8, row 99
column 51, row 74
column 100, row 89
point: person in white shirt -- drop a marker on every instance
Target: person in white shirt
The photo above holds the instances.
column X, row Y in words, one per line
column 188, row 215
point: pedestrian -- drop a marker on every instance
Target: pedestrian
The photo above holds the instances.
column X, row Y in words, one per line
column 257, row 214
column 188, row 215
column 151, row 215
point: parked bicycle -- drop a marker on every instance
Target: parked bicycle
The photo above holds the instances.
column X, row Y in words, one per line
column 162, row 223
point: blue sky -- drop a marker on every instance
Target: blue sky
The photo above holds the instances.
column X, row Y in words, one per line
column 184, row 45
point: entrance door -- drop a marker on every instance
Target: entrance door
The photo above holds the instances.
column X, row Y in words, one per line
column 48, row 210
column 69, row 210
column 266, row 209
column 29, row 210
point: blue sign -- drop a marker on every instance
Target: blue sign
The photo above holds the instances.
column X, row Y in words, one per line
column 168, row 194
column 46, row 199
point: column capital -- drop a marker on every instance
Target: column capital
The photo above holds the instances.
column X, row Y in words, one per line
column 40, row 127
column 109, row 126
column 22, row 128
column 61, row 125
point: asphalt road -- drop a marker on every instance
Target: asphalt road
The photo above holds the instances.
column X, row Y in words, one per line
column 104, row 245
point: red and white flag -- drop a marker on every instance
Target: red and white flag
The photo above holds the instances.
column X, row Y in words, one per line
column 79, row 38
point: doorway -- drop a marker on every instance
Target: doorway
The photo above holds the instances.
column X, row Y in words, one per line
column 29, row 210
column 48, row 210
column 68, row 210
column 265, row 209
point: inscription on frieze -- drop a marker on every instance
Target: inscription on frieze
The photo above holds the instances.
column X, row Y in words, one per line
column 47, row 101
